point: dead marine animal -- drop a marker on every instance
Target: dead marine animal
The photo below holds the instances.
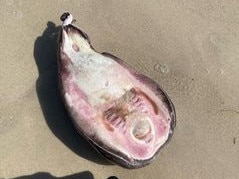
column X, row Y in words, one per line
column 125, row 115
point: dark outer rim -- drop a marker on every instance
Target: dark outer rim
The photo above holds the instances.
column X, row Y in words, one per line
column 122, row 161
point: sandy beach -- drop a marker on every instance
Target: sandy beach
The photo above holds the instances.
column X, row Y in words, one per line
column 189, row 47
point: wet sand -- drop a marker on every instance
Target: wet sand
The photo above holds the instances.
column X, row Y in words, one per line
column 189, row 48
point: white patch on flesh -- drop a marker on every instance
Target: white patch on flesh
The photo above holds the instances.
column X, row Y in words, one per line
column 91, row 71
column 68, row 99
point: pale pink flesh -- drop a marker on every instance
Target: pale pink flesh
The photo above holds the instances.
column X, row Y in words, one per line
column 107, row 101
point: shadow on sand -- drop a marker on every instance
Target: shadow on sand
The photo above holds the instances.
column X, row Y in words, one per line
column 52, row 106
column 44, row 175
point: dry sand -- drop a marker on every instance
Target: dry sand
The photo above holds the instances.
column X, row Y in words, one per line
column 190, row 47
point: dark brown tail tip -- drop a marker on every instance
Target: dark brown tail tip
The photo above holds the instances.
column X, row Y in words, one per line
column 64, row 16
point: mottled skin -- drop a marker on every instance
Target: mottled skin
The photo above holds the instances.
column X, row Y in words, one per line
column 125, row 115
